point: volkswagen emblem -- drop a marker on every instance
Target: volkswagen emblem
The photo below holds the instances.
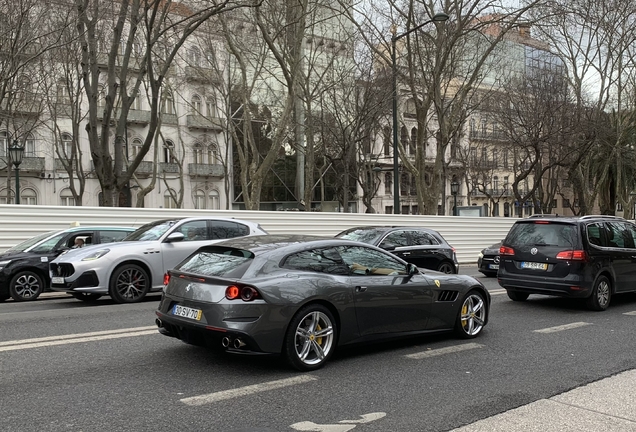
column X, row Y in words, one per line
column 188, row 287
column 534, row 251
column 496, row 259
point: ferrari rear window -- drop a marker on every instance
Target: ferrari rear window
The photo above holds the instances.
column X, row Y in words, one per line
column 542, row 234
column 217, row 261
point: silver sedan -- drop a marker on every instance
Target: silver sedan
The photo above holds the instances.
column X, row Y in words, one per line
column 128, row 270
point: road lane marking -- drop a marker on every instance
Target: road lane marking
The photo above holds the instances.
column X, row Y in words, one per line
column 442, row 351
column 366, row 418
column 75, row 336
column 630, row 313
column 246, row 391
column 347, row 426
column 497, row 291
column 49, row 343
column 562, row 327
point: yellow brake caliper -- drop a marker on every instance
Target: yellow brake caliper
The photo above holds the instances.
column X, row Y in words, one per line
column 464, row 312
column 318, row 340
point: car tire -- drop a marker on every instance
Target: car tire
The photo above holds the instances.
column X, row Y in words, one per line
column 303, row 349
column 129, row 283
column 87, row 297
column 26, row 286
column 446, row 267
column 518, row 296
column 601, row 294
column 472, row 315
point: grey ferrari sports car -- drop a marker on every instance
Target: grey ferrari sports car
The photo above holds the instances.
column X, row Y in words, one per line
column 303, row 296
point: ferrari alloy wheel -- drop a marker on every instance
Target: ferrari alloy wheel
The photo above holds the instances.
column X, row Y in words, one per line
column 446, row 267
column 601, row 295
column 87, row 297
column 129, row 284
column 311, row 337
column 26, row 286
column 472, row 315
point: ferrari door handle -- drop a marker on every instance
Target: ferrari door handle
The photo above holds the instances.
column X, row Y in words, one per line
column 361, row 288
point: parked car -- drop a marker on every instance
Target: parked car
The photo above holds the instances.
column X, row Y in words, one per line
column 127, row 271
column 303, row 296
column 424, row 247
column 589, row 257
column 488, row 260
column 24, row 269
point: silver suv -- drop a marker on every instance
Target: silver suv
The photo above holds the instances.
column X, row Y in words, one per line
column 128, row 270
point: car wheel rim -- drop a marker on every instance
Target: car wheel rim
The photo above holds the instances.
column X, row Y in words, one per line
column 603, row 293
column 131, row 284
column 314, row 338
column 27, row 286
column 446, row 268
column 473, row 315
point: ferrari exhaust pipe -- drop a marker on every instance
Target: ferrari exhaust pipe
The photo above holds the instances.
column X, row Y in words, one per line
column 159, row 323
column 238, row 343
column 225, row 342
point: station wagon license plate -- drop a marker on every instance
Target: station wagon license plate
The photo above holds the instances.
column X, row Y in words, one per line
column 534, row 265
column 57, row 280
column 493, row 266
column 186, row 312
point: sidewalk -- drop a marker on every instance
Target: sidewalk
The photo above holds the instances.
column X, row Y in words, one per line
column 608, row 405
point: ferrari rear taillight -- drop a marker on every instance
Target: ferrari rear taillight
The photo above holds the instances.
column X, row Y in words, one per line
column 572, row 255
column 245, row 293
column 505, row 250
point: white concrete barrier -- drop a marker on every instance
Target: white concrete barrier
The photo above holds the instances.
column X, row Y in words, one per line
column 467, row 234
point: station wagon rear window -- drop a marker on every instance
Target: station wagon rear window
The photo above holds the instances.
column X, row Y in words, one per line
column 542, row 234
column 217, row 261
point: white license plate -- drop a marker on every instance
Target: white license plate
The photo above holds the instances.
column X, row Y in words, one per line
column 57, row 280
column 186, row 312
column 534, row 265
column 493, row 266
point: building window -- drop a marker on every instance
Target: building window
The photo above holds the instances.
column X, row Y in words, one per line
column 199, row 199
column 29, row 146
column 388, row 183
column 566, row 203
column 169, row 200
column 388, row 210
column 6, row 199
column 494, row 158
column 413, row 141
column 135, row 149
column 495, row 183
column 4, row 143
column 28, row 196
column 196, row 104
column 504, row 157
column 404, row 139
column 66, row 197
column 211, row 107
column 197, row 153
column 215, row 202
column 386, row 137
column 167, row 103
column 136, row 105
column 66, row 149
column 194, row 56
column 168, row 152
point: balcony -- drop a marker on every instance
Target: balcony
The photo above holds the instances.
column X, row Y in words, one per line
column 169, row 119
column 59, row 165
column 206, row 170
column 487, row 135
column 499, row 192
column 197, row 121
column 169, row 167
column 140, row 117
column 144, row 170
column 202, row 75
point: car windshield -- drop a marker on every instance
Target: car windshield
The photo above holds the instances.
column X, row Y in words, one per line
column 364, row 235
column 21, row 247
column 218, row 261
column 542, row 234
column 151, row 231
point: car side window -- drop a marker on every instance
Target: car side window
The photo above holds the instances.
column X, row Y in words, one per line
column 317, row 260
column 49, row 245
column 226, row 229
column 614, row 233
column 630, row 235
column 423, row 238
column 194, row 230
column 366, row 261
column 594, row 234
column 112, row 236
column 395, row 239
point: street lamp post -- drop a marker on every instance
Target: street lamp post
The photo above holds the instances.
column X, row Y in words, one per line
column 454, row 191
column 439, row 17
column 16, row 151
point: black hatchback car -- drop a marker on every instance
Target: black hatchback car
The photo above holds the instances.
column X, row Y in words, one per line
column 24, row 269
column 424, row 247
column 591, row 257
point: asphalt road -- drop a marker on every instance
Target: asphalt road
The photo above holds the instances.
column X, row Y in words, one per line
column 69, row 366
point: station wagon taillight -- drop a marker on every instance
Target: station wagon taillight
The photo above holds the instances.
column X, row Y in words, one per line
column 505, row 250
column 166, row 279
column 572, row 255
